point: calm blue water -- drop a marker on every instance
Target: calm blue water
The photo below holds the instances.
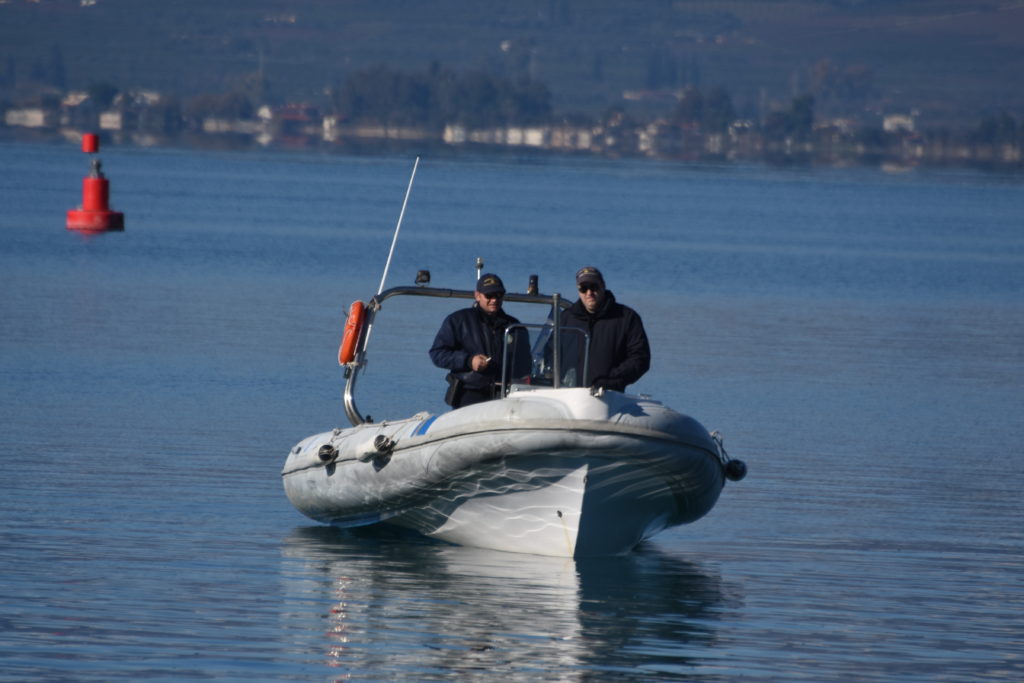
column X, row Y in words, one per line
column 858, row 337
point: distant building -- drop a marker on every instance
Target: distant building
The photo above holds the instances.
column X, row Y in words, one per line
column 216, row 125
column 74, row 98
column 898, row 123
column 330, row 128
column 840, row 125
column 526, row 137
column 454, row 134
column 111, row 120
column 140, row 98
column 570, row 138
column 30, row 117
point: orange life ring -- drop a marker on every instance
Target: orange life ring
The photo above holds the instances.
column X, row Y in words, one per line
column 353, row 328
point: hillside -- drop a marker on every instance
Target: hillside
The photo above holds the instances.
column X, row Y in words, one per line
column 950, row 59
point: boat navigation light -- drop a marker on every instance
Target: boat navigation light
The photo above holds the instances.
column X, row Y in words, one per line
column 531, row 288
column 423, row 277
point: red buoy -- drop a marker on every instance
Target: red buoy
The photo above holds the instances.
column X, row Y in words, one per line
column 90, row 143
column 94, row 215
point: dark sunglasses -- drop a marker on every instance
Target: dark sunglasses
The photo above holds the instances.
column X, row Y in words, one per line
column 495, row 295
column 589, row 288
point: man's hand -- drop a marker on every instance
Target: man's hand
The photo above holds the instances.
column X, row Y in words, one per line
column 479, row 362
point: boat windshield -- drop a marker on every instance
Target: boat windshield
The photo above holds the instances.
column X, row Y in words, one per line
column 530, row 357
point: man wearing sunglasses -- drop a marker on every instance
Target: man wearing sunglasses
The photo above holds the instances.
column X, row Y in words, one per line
column 619, row 353
column 469, row 345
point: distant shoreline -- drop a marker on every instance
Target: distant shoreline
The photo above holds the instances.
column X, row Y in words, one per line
column 978, row 157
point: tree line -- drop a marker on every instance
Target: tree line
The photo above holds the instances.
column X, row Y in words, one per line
column 440, row 96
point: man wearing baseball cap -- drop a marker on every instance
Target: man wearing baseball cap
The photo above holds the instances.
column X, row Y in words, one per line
column 469, row 345
column 619, row 353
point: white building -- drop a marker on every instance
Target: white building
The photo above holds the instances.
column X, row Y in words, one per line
column 898, row 123
column 29, row 117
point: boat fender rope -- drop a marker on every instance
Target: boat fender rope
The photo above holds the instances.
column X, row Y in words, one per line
column 353, row 330
column 717, row 437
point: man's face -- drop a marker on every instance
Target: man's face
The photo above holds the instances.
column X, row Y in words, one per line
column 591, row 294
column 489, row 303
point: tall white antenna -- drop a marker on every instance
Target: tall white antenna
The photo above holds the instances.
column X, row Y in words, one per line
column 398, row 226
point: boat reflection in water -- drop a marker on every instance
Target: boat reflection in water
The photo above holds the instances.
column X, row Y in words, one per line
column 435, row 610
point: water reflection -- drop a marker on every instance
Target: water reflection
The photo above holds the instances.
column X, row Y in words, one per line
column 649, row 610
column 413, row 607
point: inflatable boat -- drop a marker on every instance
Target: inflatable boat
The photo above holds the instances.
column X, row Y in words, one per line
column 547, row 467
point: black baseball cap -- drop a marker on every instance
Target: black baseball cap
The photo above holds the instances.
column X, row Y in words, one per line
column 489, row 283
column 589, row 275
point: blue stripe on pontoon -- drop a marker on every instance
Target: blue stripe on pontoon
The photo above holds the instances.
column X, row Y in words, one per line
column 424, row 427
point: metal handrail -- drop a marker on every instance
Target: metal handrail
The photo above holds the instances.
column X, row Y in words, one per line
column 352, row 369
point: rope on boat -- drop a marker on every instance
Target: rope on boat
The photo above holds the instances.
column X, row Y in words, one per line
column 716, row 436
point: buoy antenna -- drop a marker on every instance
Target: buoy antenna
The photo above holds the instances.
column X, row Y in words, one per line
column 398, row 227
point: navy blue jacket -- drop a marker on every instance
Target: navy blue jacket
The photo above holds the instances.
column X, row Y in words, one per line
column 466, row 333
column 619, row 353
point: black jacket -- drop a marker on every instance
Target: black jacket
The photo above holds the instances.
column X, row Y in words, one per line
column 619, row 352
column 464, row 334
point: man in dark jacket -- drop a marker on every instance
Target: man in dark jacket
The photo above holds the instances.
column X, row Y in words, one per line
column 619, row 353
column 469, row 345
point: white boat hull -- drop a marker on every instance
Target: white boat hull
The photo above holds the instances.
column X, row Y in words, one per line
column 551, row 472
